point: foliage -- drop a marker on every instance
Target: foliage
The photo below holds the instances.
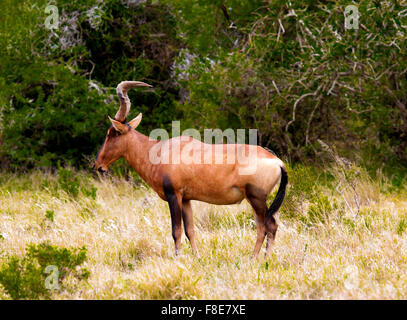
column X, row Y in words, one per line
column 72, row 184
column 289, row 69
column 131, row 252
column 24, row 278
column 57, row 90
column 402, row 226
column 49, row 214
column 297, row 75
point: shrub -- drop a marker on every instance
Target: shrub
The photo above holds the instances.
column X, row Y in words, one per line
column 68, row 181
column 54, row 115
column 25, row 278
column 304, row 183
column 295, row 73
column 290, row 70
column 57, row 89
column 73, row 184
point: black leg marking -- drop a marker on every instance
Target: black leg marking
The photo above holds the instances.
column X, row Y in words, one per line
column 175, row 211
column 257, row 198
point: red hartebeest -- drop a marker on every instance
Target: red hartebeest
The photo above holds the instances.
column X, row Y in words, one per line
column 178, row 183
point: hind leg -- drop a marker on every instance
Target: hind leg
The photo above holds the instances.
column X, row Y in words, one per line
column 271, row 229
column 257, row 199
column 187, row 217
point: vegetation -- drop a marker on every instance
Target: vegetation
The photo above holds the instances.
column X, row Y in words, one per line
column 333, row 242
column 25, row 278
column 57, row 90
column 330, row 101
column 291, row 70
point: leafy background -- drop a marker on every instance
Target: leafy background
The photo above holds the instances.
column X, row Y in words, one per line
column 289, row 69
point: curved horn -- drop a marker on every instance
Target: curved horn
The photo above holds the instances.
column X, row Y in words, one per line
column 121, row 90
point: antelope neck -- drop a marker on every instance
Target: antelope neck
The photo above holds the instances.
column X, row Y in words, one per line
column 137, row 155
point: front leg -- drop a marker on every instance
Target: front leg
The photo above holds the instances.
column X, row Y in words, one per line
column 174, row 200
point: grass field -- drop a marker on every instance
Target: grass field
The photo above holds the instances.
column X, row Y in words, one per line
column 341, row 236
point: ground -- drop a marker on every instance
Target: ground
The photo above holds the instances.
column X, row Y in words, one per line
column 354, row 252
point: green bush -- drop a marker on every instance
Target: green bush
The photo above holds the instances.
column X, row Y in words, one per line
column 57, row 90
column 74, row 184
column 290, row 70
column 26, row 277
column 295, row 73
column 304, row 183
column 306, row 197
column 53, row 116
column 68, row 181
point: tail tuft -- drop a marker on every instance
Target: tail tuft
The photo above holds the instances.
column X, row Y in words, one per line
column 280, row 194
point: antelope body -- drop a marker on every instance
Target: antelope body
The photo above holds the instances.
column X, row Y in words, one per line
column 210, row 181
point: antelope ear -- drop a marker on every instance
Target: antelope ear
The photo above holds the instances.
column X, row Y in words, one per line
column 118, row 125
column 136, row 121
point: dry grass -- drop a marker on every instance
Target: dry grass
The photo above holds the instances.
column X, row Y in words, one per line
column 357, row 252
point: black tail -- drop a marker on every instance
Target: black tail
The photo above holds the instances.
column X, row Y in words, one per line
column 280, row 194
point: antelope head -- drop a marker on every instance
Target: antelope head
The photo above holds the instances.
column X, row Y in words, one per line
column 116, row 142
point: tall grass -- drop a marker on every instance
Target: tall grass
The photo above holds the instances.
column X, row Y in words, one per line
column 341, row 235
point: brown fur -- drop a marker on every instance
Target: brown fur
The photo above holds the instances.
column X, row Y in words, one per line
column 179, row 183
